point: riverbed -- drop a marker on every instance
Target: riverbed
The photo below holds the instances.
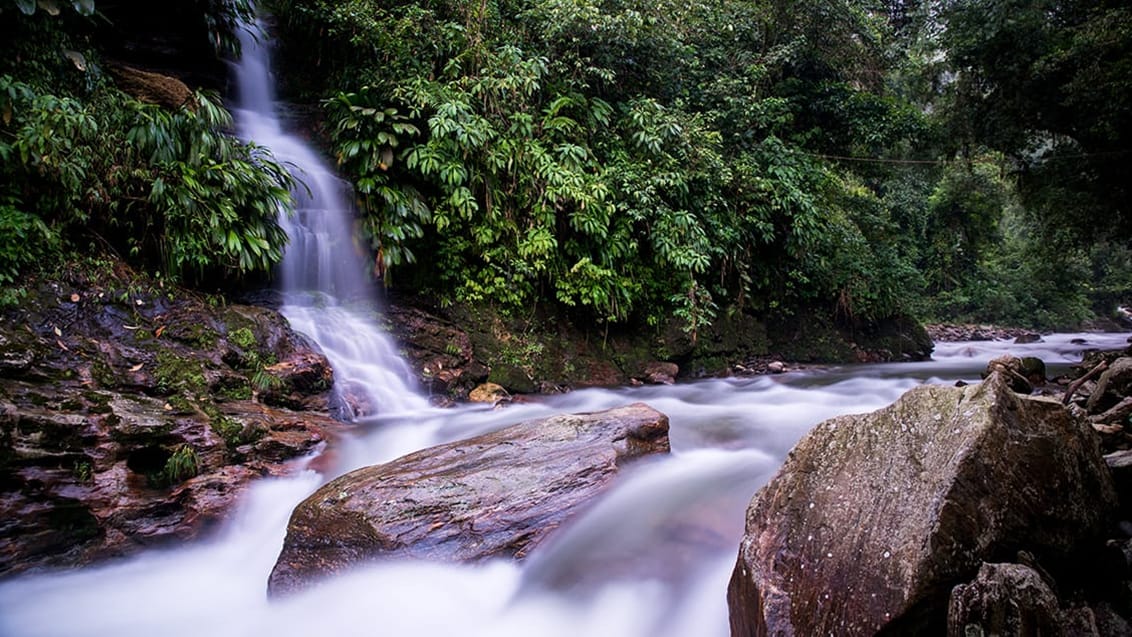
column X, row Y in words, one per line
column 650, row 558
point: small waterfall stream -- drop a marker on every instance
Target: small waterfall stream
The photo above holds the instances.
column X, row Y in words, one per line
column 651, row 559
column 326, row 293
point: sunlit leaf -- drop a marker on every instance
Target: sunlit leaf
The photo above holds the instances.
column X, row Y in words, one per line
column 76, row 58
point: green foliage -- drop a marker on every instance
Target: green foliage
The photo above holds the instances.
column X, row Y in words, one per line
column 168, row 189
column 1049, row 84
column 182, row 464
column 25, row 240
column 629, row 160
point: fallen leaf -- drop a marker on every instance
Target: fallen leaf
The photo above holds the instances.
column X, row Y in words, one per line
column 131, row 327
column 62, row 346
column 58, row 332
column 139, row 302
column 159, row 331
column 136, row 367
column 168, row 407
column 75, row 297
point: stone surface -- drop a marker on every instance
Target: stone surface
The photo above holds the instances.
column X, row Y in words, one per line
column 495, row 495
column 1113, row 385
column 659, row 372
column 132, row 415
column 874, row 518
column 1013, row 370
column 488, row 393
column 1004, row 599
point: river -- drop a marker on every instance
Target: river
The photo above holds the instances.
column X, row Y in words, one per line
column 651, row 558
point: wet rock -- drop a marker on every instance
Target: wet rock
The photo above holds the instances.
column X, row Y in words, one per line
column 776, row 367
column 90, row 474
column 1034, row 370
column 874, row 518
column 1028, row 337
column 133, row 415
column 1012, row 370
column 488, row 393
column 660, row 373
column 495, row 495
column 441, row 353
column 1004, row 599
column 1113, row 385
column 1120, row 464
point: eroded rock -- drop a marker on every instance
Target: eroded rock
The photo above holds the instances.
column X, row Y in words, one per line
column 132, row 414
column 874, row 518
column 91, row 474
column 1004, row 599
column 495, row 495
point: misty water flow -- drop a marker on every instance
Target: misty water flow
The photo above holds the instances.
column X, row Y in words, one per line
column 326, row 291
column 651, row 558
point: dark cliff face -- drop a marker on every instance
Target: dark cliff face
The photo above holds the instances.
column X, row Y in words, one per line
column 171, row 38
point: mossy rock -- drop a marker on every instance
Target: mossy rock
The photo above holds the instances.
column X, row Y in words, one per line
column 513, row 377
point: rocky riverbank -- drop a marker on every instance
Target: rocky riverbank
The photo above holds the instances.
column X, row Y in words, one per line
column 999, row 508
column 133, row 415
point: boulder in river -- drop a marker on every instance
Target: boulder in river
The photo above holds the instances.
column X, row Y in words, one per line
column 874, row 518
column 494, row 495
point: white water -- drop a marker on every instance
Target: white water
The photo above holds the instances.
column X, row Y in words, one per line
column 327, row 295
column 651, row 558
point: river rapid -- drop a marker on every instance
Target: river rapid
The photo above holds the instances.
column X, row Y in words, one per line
column 651, row 558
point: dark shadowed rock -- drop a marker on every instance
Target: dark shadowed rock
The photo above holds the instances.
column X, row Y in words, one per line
column 87, row 473
column 1114, row 384
column 659, row 372
column 1004, row 599
column 874, row 518
column 495, row 495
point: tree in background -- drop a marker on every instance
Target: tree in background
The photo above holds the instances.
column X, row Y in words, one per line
column 628, row 159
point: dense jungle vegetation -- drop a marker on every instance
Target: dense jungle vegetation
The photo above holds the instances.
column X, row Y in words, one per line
column 631, row 161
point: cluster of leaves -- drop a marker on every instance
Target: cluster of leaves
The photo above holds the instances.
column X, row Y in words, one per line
column 631, row 160
column 85, row 167
column 167, row 189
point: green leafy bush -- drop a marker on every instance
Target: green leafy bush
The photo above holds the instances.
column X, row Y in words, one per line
column 170, row 190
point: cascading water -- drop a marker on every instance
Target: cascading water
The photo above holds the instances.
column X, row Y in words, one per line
column 650, row 559
column 326, row 293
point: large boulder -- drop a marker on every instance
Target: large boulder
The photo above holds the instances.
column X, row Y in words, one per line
column 874, row 518
column 495, row 495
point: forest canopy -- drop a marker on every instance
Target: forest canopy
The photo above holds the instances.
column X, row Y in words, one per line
column 629, row 161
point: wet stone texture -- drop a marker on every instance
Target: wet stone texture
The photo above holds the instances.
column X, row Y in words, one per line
column 132, row 417
column 874, row 518
column 496, row 495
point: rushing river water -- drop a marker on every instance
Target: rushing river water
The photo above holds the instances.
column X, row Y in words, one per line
column 651, row 558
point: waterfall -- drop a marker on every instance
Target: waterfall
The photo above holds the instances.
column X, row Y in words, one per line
column 326, row 292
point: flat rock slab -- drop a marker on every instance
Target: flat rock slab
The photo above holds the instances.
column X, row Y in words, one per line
column 495, row 495
column 874, row 518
